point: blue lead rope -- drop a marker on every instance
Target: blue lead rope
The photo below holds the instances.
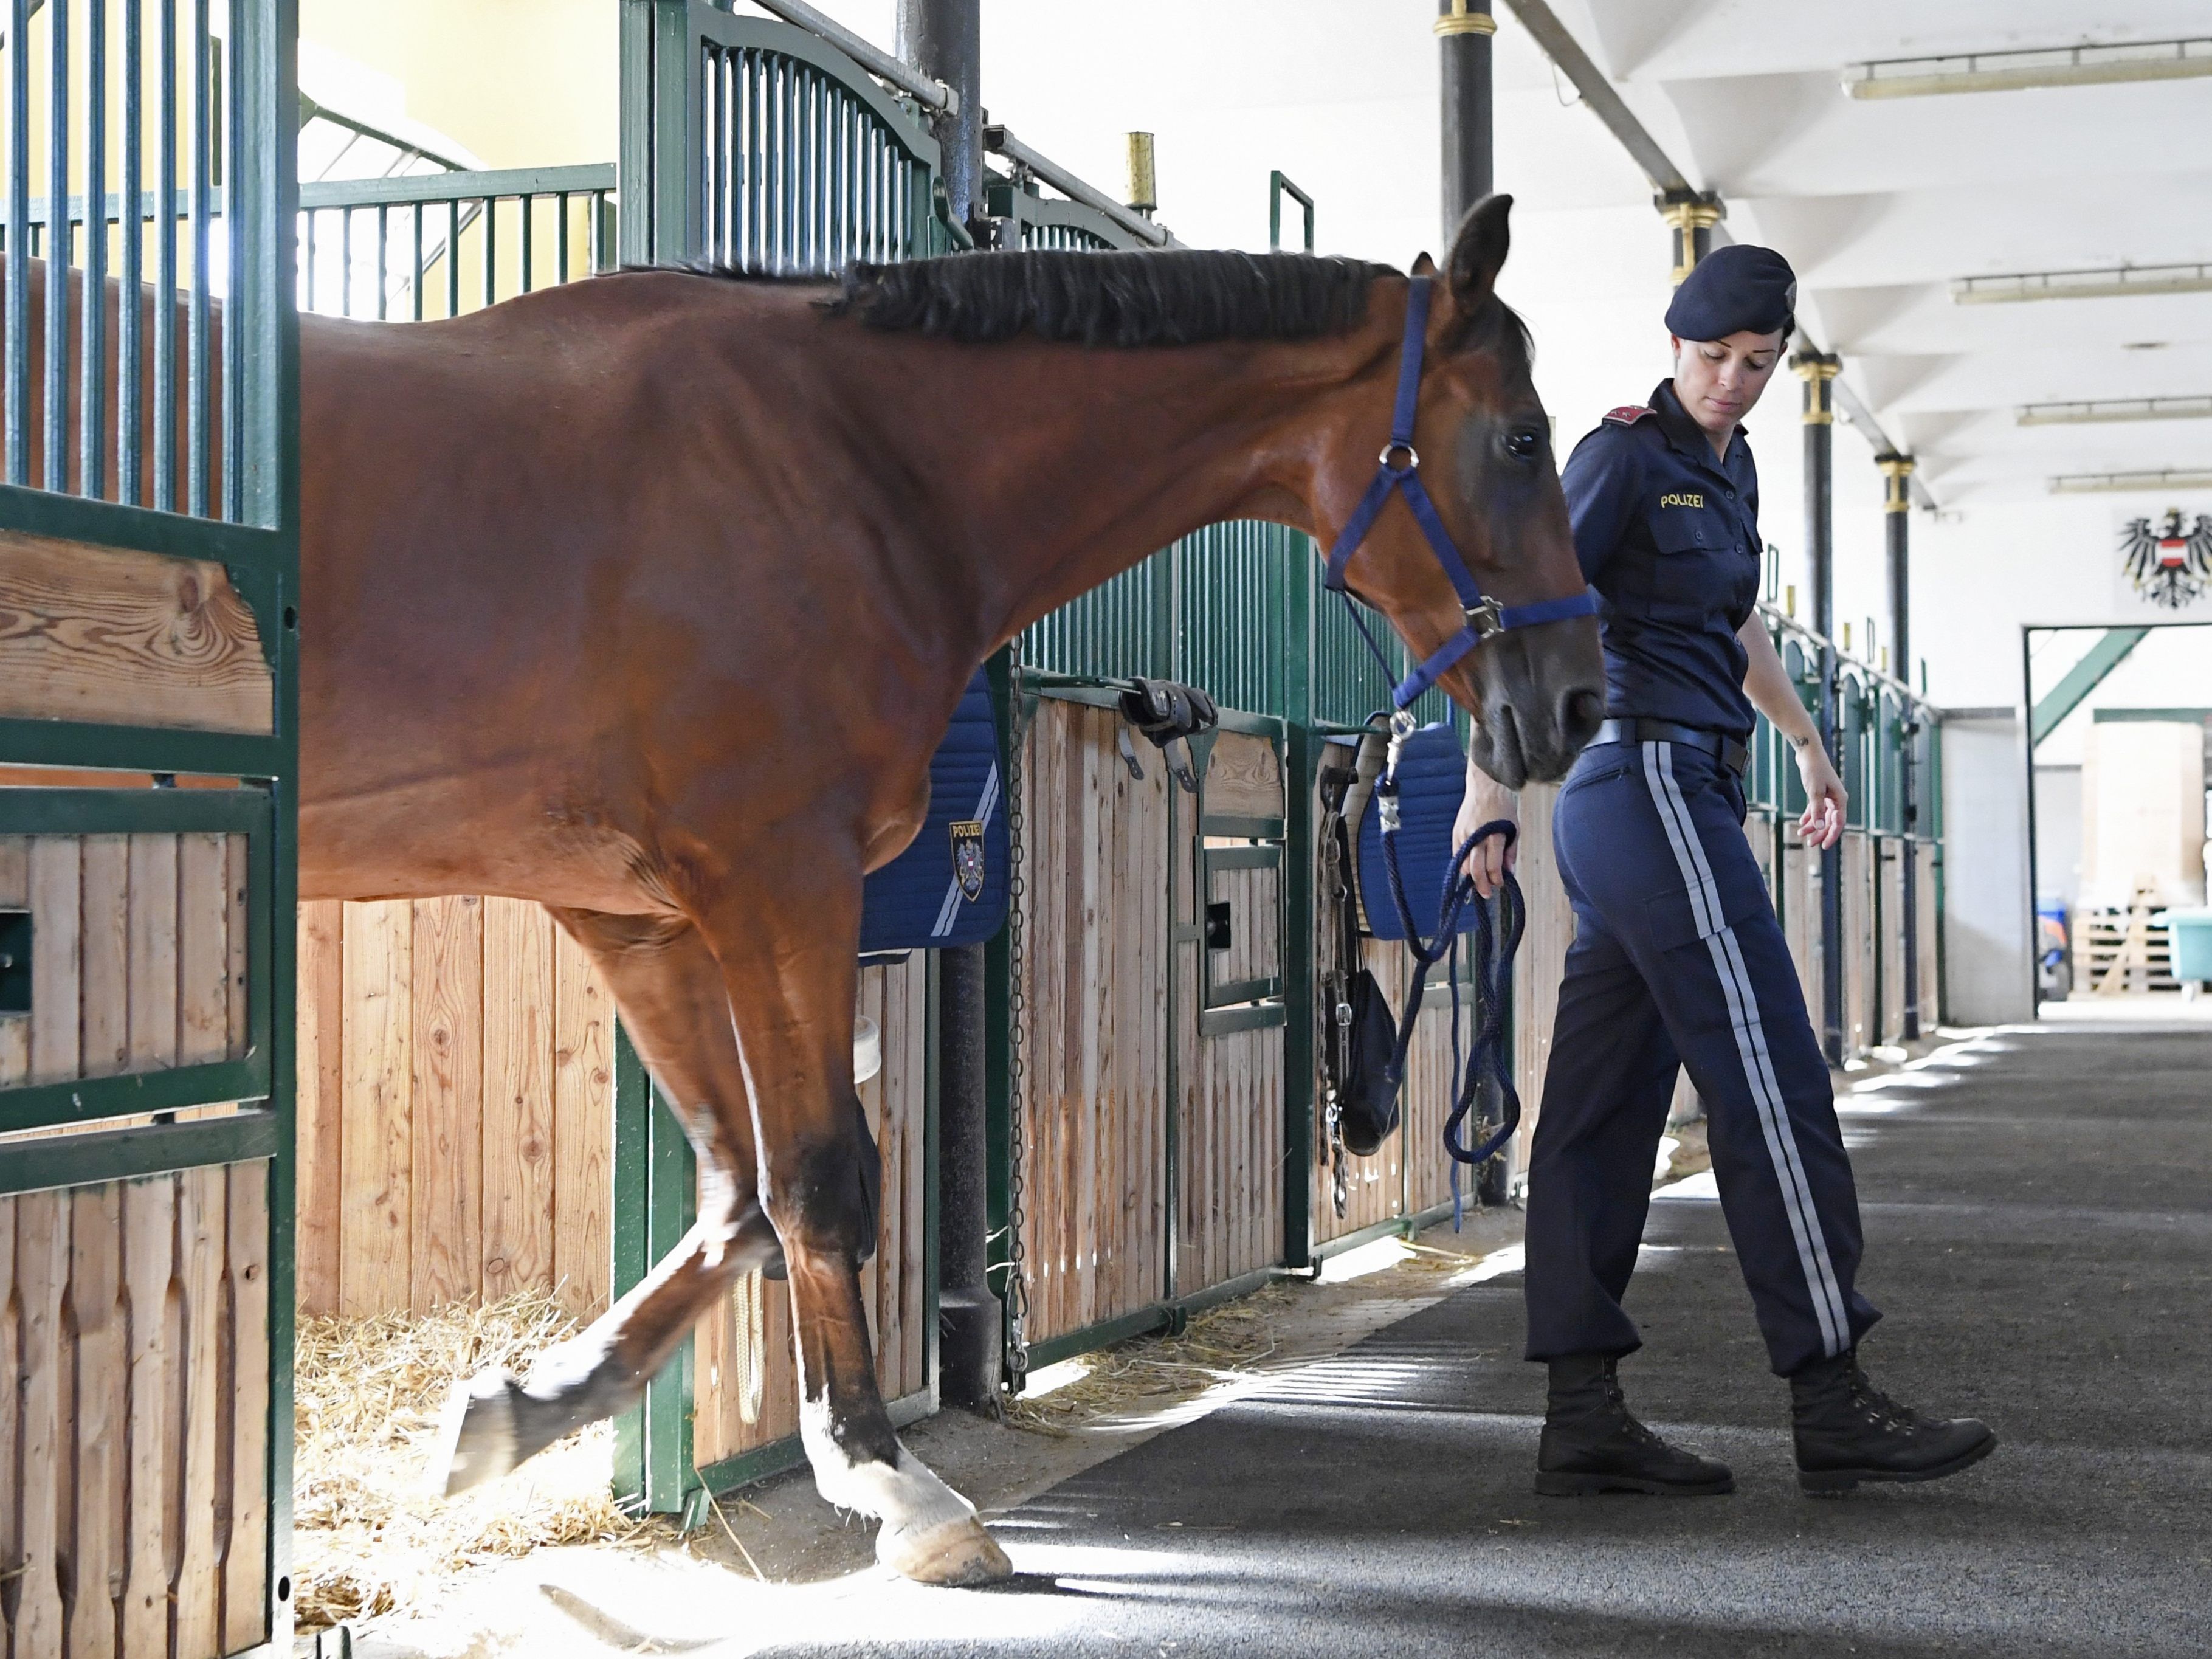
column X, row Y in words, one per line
column 1493, row 952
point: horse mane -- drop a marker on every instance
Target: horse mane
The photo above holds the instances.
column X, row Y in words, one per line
column 1169, row 296
column 1124, row 297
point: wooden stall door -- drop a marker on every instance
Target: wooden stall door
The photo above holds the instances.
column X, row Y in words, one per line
column 1932, row 1011
column 1230, row 1105
column 1860, row 946
column 1095, row 1023
column 1543, row 961
column 149, row 577
column 1800, row 915
column 1892, row 852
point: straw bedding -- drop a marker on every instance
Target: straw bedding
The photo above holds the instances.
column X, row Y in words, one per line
column 367, row 1393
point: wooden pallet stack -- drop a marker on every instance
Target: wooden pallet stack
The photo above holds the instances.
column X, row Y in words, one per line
column 2119, row 949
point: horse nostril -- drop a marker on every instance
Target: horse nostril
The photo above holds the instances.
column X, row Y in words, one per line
column 1581, row 712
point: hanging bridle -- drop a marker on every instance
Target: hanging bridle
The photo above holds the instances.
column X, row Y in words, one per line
column 1485, row 619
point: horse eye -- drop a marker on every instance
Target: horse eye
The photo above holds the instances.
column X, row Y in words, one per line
column 1524, row 445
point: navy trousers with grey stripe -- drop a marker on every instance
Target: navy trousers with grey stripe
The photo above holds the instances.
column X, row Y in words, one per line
column 1678, row 960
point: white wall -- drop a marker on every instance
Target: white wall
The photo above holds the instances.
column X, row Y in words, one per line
column 2058, row 835
column 1979, row 575
column 1989, row 971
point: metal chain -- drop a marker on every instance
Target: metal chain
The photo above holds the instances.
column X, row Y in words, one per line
column 1336, row 997
column 1017, row 1290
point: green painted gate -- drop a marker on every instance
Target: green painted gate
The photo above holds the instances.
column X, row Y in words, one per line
column 148, row 573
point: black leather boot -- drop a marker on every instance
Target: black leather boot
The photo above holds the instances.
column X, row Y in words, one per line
column 1849, row 1431
column 1592, row 1444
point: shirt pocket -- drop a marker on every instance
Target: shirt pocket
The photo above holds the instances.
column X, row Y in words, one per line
column 1689, row 576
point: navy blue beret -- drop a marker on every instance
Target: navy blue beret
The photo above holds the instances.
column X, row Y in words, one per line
column 1733, row 290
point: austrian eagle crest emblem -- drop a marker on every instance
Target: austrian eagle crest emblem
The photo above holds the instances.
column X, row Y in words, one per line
column 2168, row 562
column 967, row 858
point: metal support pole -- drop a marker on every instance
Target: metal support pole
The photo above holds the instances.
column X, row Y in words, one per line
column 1820, row 372
column 1690, row 215
column 944, row 39
column 1463, row 30
column 968, row 1318
column 1897, row 509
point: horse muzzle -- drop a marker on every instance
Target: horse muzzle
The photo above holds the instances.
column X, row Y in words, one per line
column 1543, row 699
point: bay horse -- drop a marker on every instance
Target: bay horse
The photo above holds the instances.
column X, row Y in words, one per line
column 649, row 597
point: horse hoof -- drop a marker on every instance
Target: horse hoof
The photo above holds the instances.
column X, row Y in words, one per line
column 954, row 1552
column 477, row 1439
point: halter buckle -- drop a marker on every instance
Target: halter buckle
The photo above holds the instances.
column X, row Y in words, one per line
column 1487, row 617
column 1413, row 457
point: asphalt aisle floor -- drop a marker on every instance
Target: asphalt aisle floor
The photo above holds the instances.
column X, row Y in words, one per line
column 2038, row 1213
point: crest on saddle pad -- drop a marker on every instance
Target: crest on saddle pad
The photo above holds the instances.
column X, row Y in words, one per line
column 2168, row 564
column 967, row 857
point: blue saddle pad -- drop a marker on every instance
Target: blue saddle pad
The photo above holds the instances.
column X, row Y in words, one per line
column 1431, row 784
column 949, row 887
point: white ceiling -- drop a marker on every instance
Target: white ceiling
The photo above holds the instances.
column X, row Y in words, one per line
column 1881, row 204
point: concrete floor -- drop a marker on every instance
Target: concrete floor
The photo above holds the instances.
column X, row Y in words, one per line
column 2039, row 1212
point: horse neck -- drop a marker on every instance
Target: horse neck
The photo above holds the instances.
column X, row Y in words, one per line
column 1061, row 466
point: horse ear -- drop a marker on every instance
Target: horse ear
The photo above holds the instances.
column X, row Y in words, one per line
column 1478, row 251
column 1423, row 265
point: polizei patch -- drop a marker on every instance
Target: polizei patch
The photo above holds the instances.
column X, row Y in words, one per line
column 967, row 857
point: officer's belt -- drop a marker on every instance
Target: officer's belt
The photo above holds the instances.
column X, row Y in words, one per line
column 1724, row 748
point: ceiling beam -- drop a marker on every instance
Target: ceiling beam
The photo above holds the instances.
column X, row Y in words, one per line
column 2085, row 676
column 1560, row 46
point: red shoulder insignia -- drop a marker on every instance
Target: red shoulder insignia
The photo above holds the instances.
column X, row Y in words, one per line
column 1627, row 414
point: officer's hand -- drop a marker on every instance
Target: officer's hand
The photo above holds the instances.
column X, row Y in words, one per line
column 1822, row 825
column 1486, row 800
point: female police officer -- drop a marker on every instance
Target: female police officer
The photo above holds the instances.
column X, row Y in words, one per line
column 1678, row 959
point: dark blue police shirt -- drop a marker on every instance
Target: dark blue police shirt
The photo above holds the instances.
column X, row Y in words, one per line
column 1670, row 538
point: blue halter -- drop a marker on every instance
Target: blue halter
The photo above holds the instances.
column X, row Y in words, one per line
column 1486, row 617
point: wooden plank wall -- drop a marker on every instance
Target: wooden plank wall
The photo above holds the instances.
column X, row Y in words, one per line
column 1893, row 851
column 1097, row 1022
column 456, row 1107
column 138, row 950
column 134, row 1432
column 1379, row 1187
column 1229, row 1122
column 1931, row 1011
column 1858, row 871
column 1800, row 915
column 1543, row 960
column 744, row 1389
column 113, row 634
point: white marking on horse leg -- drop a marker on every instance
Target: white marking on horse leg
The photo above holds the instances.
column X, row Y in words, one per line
column 929, row 1531
column 904, row 1495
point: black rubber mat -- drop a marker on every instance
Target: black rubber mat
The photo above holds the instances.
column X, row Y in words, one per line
column 2039, row 1212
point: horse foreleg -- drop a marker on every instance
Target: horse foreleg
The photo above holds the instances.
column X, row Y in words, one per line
column 788, row 949
column 669, row 989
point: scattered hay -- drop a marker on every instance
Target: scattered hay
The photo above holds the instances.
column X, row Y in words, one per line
column 367, row 1393
column 1233, row 1340
column 1217, row 1346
